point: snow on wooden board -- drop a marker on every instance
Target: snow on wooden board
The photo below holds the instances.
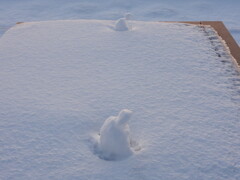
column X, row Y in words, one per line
column 151, row 10
column 60, row 80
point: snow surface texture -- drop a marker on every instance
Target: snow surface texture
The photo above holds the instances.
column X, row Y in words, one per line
column 60, row 80
column 228, row 11
column 115, row 141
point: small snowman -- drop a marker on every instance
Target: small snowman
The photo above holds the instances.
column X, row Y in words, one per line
column 122, row 24
column 114, row 142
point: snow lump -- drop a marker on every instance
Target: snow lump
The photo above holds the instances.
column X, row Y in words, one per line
column 122, row 23
column 114, row 141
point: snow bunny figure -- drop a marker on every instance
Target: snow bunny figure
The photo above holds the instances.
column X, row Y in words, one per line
column 114, row 142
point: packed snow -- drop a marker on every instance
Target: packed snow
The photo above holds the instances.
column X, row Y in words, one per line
column 61, row 80
column 228, row 11
column 114, row 142
column 122, row 24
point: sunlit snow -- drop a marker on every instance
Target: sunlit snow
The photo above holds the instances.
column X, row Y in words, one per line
column 62, row 80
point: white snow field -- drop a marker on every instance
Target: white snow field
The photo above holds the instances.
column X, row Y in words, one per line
column 60, row 80
column 228, row 11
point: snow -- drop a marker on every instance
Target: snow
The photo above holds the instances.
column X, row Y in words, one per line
column 61, row 79
column 121, row 25
column 114, row 140
column 12, row 11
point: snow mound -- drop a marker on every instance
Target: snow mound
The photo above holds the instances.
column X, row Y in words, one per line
column 114, row 142
column 122, row 23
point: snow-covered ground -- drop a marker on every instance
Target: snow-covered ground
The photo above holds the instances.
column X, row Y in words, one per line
column 228, row 11
column 61, row 80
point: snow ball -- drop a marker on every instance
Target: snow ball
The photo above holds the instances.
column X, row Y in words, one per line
column 114, row 142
